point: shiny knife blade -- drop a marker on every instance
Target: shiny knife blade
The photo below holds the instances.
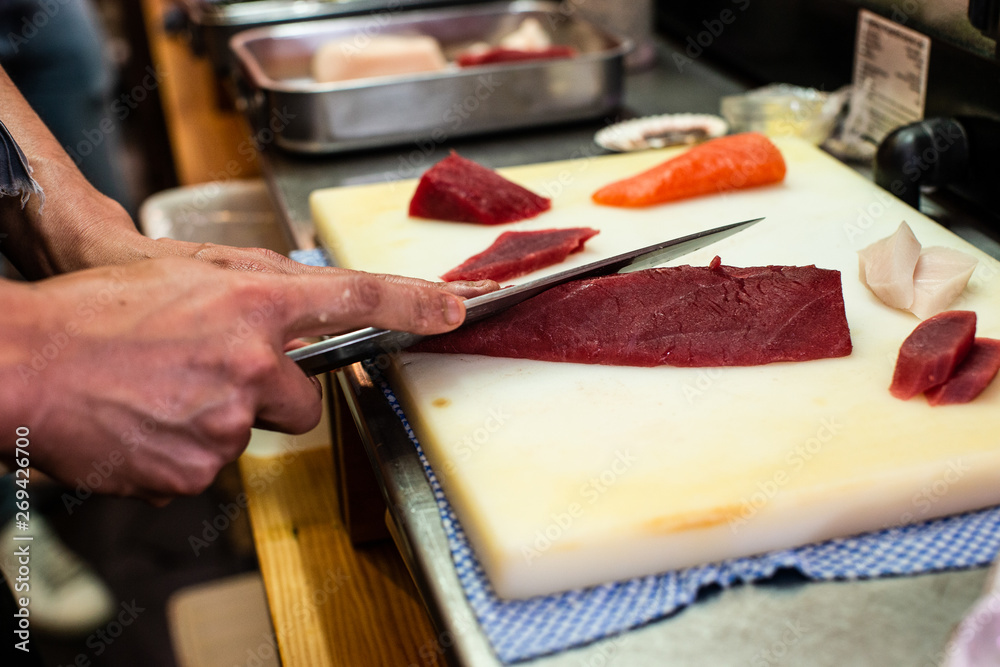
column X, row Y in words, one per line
column 339, row 351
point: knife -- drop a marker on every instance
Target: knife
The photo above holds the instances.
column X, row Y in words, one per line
column 339, row 351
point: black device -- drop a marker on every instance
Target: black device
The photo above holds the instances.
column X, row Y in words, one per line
column 958, row 153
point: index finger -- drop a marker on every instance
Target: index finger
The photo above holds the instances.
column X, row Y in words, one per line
column 462, row 288
column 324, row 304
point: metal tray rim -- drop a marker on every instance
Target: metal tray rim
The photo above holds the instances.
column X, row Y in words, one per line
column 270, row 11
column 238, row 44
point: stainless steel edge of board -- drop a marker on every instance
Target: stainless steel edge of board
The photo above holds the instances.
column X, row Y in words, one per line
column 413, row 509
column 340, row 351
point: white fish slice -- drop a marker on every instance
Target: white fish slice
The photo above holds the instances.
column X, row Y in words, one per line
column 940, row 276
column 887, row 267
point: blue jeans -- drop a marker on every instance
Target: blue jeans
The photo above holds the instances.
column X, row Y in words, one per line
column 53, row 51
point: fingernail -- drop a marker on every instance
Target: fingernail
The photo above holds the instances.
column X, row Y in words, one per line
column 452, row 311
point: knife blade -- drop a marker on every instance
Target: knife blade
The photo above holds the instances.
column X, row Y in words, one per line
column 339, row 351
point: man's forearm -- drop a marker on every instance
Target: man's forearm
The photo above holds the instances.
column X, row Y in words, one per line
column 77, row 227
column 23, row 323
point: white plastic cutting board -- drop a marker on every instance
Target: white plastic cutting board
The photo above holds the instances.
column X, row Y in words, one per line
column 567, row 475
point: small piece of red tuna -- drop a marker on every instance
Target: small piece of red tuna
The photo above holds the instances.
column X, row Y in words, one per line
column 460, row 190
column 676, row 316
column 514, row 254
column 505, row 55
column 971, row 377
column 930, row 354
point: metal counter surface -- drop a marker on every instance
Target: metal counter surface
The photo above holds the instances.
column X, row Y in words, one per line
column 889, row 621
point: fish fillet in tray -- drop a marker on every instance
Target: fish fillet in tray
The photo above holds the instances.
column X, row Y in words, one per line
column 433, row 106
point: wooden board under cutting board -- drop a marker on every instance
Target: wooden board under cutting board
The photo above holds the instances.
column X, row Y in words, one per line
column 568, row 475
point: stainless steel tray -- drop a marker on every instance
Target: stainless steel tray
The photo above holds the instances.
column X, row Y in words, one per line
column 250, row 13
column 214, row 22
column 427, row 109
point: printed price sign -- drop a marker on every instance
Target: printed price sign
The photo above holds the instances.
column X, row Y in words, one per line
column 890, row 77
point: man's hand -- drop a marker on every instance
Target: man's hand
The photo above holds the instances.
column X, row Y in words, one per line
column 166, row 364
column 156, row 370
column 263, row 260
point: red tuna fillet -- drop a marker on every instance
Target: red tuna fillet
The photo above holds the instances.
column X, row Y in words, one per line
column 678, row 316
column 514, row 254
column 931, row 352
column 460, row 190
column 971, row 377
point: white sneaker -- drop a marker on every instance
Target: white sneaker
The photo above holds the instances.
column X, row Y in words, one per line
column 65, row 596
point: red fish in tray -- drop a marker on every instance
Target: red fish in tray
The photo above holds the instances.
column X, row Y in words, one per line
column 678, row 316
column 505, row 55
column 460, row 190
column 515, row 254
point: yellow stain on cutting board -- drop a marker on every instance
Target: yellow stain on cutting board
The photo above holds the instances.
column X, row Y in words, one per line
column 693, row 521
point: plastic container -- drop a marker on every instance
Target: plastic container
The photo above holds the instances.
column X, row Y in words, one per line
column 237, row 213
column 781, row 110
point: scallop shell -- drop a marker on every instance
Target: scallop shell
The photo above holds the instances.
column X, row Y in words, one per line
column 658, row 131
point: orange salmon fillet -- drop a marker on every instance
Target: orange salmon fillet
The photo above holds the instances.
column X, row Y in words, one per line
column 720, row 165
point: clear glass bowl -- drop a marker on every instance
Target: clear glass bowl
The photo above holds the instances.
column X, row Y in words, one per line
column 781, row 110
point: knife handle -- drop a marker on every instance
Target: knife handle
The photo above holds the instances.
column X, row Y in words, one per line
column 350, row 348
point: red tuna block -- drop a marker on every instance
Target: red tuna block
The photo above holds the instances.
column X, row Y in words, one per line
column 514, row 254
column 930, row 354
column 460, row 190
column 971, row 377
column 678, row 316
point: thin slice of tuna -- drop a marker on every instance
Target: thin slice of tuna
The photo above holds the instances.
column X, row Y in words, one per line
column 941, row 275
column 887, row 267
column 678, row 316
column 971, row 377
column 514, row 254
column 930, row 354
column 459, row 190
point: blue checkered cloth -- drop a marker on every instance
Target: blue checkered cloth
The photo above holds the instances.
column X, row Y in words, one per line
column 312, row 257
column 523, row 629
